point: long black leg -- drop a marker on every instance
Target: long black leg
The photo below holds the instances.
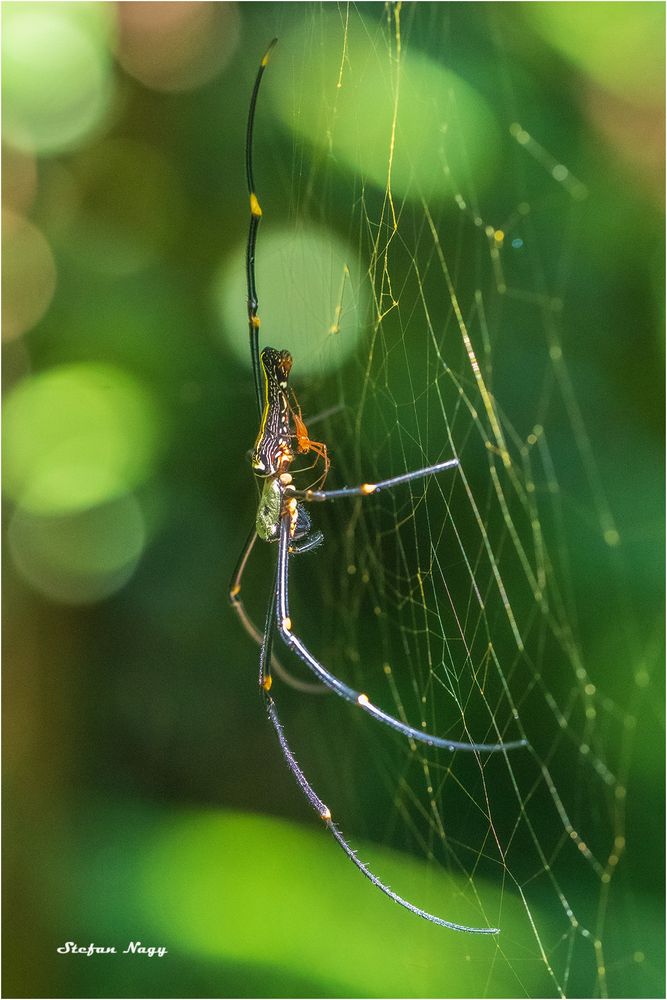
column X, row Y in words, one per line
column 237, row 604
column 255, row 216
column 365, row 489
column 313, row 798
column 284, row 624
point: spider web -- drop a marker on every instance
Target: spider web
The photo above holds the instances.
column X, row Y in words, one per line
column 454, row 600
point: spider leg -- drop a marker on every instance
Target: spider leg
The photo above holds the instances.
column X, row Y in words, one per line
column 307, row 544
column 255, row 216
column 284, row 623
column 234, row 599
column 313, row 798
column 365, row 489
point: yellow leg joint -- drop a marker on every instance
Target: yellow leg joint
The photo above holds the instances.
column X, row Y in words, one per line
column 267, row 54
column 255, row 208
column 267, row 682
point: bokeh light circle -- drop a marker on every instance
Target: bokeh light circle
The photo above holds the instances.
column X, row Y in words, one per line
column 623, row 50
column 82, row 558
column 175, row 47
column 56, row 73
column 77, row 436
column 313, row 297
column 28, row 275
column 412, row 127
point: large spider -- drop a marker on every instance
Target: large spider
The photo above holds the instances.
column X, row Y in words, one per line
column 282, row 518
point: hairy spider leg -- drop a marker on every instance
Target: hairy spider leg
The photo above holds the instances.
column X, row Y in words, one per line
column 255, row 216
column 311, row 795
column 291, row 640
column 306, row 687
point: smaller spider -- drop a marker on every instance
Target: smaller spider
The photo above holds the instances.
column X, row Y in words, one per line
column 282, row 518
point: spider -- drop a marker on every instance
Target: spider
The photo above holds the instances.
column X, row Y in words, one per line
column 282, row 518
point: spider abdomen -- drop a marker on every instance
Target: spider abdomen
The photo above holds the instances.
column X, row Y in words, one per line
column 268, row 512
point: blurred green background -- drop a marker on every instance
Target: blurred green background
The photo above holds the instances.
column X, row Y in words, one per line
column 145, row 796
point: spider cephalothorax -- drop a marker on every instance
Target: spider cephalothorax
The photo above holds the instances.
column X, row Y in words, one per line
column 273, row 453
